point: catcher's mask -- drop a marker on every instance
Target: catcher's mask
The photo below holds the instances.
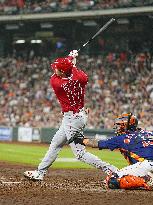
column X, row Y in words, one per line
column 125, row 122
column 63, row 64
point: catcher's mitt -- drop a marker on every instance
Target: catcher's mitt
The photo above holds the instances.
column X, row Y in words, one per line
column 77, row 138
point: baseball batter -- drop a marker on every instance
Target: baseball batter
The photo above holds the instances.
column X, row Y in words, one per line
column 69, row 83
column 136, row 145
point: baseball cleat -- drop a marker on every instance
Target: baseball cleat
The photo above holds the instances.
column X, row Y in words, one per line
column 150, row 180
column 34, row 175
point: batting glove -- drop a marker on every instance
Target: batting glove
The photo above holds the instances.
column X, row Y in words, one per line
column 73, row 53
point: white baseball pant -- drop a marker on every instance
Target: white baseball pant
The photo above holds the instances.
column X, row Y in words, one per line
column 137, row 169
column 70, row 124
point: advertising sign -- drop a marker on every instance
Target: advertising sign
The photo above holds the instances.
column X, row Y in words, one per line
column 25, row 134
column 5, row 134
column 35, row 134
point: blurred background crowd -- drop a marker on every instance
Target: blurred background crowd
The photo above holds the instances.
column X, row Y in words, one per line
column 9, row 7
column 119, row 62
column 117, row 83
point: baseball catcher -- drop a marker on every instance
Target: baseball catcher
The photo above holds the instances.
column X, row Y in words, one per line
column 136, row 145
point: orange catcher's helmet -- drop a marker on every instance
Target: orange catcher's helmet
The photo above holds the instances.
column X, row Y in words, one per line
column 125, row 122
column 63, row 64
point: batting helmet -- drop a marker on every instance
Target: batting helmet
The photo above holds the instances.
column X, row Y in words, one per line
column 125, row 122
column 63, row 64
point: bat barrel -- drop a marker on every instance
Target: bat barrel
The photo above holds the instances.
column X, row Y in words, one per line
column 100, row 30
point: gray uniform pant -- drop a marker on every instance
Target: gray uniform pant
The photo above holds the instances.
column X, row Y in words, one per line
column 70, row 124
column 138, row 169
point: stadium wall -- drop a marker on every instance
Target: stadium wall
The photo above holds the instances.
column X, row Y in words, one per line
column 44, row 135
column 79, row 14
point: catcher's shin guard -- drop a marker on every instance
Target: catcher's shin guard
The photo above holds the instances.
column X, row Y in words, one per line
column 129, row 182
column 133, row 182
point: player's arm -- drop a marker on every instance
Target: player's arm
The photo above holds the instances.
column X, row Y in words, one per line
column 81, row 75
column 90, row 142
column 112, row 143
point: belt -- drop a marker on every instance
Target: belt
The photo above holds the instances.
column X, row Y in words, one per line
column 73, row 112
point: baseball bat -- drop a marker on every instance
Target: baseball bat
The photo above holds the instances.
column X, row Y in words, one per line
column 104, row 27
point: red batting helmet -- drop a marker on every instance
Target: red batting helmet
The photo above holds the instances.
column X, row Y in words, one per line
column 63, row 64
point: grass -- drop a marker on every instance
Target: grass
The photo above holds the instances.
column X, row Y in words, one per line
column 32, row 154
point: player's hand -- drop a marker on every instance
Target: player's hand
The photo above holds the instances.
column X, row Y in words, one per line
column 74, row 53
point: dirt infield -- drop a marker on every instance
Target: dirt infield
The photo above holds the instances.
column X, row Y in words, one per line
column 64, row 187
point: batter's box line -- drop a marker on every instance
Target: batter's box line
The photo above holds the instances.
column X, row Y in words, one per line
column 10, row 182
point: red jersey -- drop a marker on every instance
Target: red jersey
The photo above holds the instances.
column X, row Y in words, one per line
column 70, row 91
